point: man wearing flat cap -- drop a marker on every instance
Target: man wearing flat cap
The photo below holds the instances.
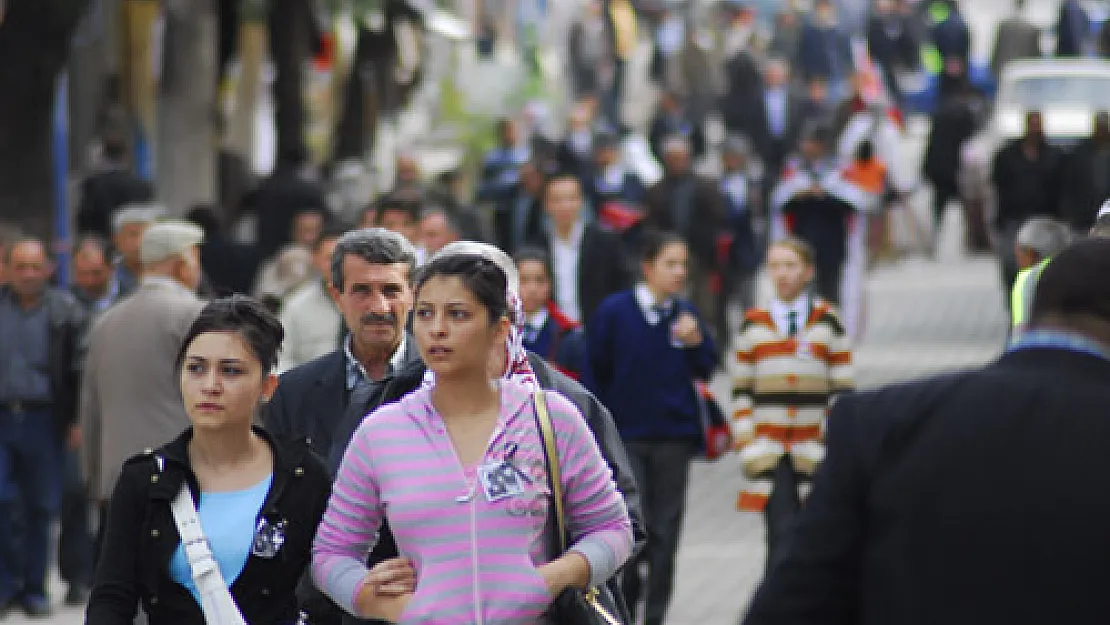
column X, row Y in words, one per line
column 130, row 399
column 128, row 226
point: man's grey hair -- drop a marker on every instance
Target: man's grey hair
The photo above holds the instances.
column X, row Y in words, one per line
column 1044, row 236
column 491, row 253
column 137, row 213
column 377, row 246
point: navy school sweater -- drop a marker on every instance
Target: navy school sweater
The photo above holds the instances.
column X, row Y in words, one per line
column 646, row 382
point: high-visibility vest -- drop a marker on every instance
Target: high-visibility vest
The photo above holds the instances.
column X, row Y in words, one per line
column 1021, row 297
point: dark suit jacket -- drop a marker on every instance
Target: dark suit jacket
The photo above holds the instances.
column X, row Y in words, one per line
column 504, row 217
column 773, row 150
column 603, row 267
column 971, row 498
column 104, row 193
column 310, row 401
column 706, row 219
column 1081, row 195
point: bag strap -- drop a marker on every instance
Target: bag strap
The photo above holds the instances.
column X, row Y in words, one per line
column 216, row 602
column 551, row 455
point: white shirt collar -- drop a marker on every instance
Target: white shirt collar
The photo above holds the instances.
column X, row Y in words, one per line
column 780, row 312
column 537, row 319
column 646, row 299
column 575, row 239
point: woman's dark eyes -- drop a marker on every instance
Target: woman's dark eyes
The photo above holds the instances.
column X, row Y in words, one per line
column 453, row 314
column 197, row 368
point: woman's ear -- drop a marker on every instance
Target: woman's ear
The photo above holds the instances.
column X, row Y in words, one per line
column 269, row 385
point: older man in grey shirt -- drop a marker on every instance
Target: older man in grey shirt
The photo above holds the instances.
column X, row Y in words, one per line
column 40, row 339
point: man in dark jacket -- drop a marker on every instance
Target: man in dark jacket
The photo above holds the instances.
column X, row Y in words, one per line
column 1086, row 177
column 825, row 51
column 326, row 399
column 693, row 207
column 588, row 264
column 41, row 339
column 950, row 32
column 106, row 191
column 893, row 44
column 775, row 119
column 953, row 124
column 290, row 190
column 1072, row 30
column 1026, row 174
column 968, row 498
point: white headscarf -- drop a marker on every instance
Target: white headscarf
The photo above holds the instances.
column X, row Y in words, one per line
column 517, row 366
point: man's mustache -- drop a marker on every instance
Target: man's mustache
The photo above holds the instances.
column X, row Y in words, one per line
column 379, row 319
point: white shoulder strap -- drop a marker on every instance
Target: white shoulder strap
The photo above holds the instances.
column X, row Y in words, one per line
column 215, row 598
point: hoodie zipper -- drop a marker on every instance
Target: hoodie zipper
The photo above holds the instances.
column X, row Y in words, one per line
column 470, row 498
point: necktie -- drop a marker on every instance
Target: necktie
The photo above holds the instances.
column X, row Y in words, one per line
column 792, row 317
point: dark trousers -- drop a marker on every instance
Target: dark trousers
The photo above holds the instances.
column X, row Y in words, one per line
column 782, row 511
column 662, row 470
column 75, row 542
column 31, row 459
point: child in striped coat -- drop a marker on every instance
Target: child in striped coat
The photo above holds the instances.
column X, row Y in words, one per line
column 789, row 362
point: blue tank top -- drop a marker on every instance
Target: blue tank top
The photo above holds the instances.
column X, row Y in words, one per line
column 228, row 520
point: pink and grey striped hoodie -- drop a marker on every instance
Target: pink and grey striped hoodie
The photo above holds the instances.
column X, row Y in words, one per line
column 475, row 559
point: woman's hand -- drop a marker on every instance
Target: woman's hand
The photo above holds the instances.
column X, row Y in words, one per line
column 393, row 577
column 389, row 587
column 686, row 330
column 572, row 570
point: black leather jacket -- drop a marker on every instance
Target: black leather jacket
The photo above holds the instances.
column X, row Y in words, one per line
column 141, row 537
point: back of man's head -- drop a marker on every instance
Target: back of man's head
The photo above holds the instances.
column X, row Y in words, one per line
column 1044, row 236
column 1073, row 292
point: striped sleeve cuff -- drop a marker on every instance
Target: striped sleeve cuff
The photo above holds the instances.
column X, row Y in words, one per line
column 342, row 582
column 603, row 562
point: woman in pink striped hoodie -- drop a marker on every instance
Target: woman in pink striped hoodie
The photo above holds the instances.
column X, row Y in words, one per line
column 458, row 469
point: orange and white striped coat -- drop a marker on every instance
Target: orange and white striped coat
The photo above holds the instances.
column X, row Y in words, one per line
column 781, row 389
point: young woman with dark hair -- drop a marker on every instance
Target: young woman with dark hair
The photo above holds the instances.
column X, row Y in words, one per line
column 258, row 500
column 648, row 347
column 457, row 467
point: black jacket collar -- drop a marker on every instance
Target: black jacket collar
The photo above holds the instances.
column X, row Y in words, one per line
column 174, row 468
